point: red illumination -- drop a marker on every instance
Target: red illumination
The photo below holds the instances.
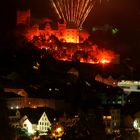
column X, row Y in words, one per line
column 85, row 54
column 104, row 61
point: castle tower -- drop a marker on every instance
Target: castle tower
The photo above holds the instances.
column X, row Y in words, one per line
column 23, row 17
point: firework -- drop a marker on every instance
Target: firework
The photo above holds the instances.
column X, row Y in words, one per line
column 73, row 11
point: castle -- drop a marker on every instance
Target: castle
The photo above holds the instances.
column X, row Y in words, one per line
column 64, row 33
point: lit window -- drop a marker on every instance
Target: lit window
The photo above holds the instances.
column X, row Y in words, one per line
column 109, row 117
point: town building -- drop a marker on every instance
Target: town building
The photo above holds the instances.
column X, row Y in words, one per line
column 19, row 98
column 30, row 120
column 112, row 120
column 129, row 86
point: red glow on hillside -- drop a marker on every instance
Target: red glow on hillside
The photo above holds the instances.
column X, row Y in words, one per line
column 105, row 56
column 104, row 61
column 82, row 53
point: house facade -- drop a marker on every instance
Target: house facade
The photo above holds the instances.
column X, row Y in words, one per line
column 112, row 120
column 31, row 122
column 43, row 123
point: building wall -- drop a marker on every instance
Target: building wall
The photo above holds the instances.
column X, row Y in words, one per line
column 115, row 114
column 22, row 102
column 23, row 17
column 112, row 120
column 63, row 33
column 27, row 125
column 43, row 124
column 129, row 86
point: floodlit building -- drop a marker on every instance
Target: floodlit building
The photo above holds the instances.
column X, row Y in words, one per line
column 30, row 120
column 129, row 86
column 64, row 32
column 43, row 123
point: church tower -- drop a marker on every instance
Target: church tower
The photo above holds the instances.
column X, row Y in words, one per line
column 23, row 17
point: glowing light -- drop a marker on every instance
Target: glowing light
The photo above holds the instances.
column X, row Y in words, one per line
column 107, row 117
column 36, row 66
column 58, row 132
column 82, row 53
column 114, row 31
column 136, row 123
column 59, row 129
column 104, row 61
column 17, row 107
column 94, row 29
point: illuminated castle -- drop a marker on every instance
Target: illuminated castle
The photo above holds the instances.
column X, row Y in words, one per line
column 40, row 33
column 63, row 32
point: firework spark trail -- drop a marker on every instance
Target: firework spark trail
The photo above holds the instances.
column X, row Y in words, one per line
column 56, row 8
column 71, row 10
column 60, row 5
column 84, row 10
column 88, row 11
column 65, row 8
column 75, row 11
column 80, row 10
column 68, row 10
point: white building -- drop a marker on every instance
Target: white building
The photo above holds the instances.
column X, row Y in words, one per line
column 129, row 86
column 43, row 123
column 26, row 124
column 32, row 121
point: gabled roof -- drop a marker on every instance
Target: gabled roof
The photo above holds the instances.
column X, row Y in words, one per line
column 35, row 114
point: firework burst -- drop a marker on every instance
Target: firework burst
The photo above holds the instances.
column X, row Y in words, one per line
column 73, row 11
